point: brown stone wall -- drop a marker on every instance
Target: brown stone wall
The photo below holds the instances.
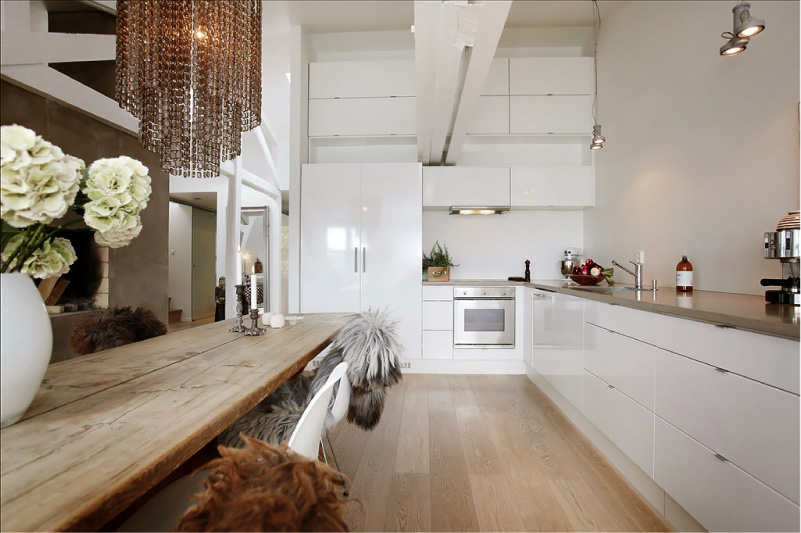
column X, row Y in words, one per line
column 138, row 273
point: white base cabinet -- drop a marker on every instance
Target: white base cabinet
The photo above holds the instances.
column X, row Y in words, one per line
column 718, row 494
column 438, row 322
column 361, row 236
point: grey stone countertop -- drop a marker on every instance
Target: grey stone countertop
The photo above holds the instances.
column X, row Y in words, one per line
column 743, row 311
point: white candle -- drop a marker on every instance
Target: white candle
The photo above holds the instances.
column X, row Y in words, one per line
column 253, row 292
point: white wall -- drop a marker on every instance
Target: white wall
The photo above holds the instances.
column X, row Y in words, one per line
column 180, row 269
column 496, row 247
column 702, row 151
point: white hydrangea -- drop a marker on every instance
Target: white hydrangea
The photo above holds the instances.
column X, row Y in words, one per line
column 37, row 181
column 123, row 178
column 51, row 259
column 120, row 236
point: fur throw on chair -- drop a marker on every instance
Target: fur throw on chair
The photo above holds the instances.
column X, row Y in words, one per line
column 263, row 488
column 115, row 326
column 369, row 344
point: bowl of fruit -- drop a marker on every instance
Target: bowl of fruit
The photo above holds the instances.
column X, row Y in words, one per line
column 591, row 273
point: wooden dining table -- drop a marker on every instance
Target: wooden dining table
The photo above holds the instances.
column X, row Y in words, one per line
column 107, row 427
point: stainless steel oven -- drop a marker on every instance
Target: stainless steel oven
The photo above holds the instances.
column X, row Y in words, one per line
column 484, row 317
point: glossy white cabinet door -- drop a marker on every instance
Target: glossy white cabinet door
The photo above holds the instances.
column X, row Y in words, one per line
column 437, row 344
column 330, row 244
column 362, row 116
column 469, row 186
column 621, row 361
column 551, row 75
column 491, row 116
column 391, row 240
column 629, row 425
column 558, row 353
column 438, row 316
column 348, row 79
column 753, row 425
column 550, row 114
column 716, row 493
column 569, row 186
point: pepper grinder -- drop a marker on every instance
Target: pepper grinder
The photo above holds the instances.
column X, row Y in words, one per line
column 527, row 275
column 240, row 304
column 254, row 328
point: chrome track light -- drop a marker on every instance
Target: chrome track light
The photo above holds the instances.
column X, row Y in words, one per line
column 598, row 139
column 744, row 26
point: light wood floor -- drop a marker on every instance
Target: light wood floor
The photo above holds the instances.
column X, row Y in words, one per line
column 481, row 453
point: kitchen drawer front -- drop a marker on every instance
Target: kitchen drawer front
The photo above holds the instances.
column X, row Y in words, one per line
column 438, row 316
column 348, row 79
column 771, row 360
column 753, row 425
column 623, row 362
column 362, row 116
column 437, row 293
column 444, row 187
column 717, row 493
column 550, row 114
column 491, row 115
column 550, row 75
column 623, row 421
column 568, row 186
column 629, row 322
column 437, row 345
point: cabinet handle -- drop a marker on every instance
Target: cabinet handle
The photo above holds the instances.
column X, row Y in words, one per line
column 721, row 458
column 356, row 259
column 610, row 386
column 722, row 370
column 364, row 259
column 541, row 296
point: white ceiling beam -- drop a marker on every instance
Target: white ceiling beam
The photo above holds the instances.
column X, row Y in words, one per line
column 52, row 84
column 426, row 26
column 30, row 48
column 109, row 6
column 493, row 20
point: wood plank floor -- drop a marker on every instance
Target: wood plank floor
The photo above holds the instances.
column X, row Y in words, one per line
column 481, row 453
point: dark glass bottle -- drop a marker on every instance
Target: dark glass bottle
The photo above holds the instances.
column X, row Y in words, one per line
column 684, row 275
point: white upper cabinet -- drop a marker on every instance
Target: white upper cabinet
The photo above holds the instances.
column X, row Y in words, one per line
column 565, row 187
column 444, row 187
column 550, row 75
column 361, row 79
column 550, row 114
column 497, row 83
column 362, row 116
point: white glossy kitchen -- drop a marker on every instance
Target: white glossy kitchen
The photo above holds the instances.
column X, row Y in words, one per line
column 691, row 395
column 598, row 200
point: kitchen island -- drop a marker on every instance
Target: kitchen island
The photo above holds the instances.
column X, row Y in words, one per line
column 107, row 427
column 742, row 311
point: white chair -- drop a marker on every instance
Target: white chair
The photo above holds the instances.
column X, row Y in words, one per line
column 338, row 412
column 305, row 439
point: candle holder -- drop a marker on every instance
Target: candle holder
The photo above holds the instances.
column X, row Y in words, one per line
column 240, row 305
column 254, row 328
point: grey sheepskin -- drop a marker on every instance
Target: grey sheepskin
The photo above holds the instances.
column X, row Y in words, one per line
column 369, row 344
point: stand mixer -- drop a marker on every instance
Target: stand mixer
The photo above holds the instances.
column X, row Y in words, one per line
column 572, row 258
column 783, row 244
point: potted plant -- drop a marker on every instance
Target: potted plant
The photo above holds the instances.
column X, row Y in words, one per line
column 438, row 263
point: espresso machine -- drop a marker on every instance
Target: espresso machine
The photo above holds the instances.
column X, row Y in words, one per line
column 782, row 244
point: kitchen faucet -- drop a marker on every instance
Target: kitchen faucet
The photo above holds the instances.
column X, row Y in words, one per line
column 637, row 272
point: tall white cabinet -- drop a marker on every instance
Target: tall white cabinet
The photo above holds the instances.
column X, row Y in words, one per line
column 361, row 242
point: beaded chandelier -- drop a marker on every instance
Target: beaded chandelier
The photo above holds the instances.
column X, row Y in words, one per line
column 190, row 71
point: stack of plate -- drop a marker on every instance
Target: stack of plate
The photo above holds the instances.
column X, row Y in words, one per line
column 791, row 221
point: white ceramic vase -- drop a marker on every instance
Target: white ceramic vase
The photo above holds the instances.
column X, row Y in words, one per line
column 27, row 342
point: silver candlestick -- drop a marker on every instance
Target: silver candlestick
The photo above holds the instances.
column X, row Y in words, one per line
column 240, row 304
column 254, row 328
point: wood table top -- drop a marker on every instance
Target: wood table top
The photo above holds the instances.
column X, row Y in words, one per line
column 104, row 428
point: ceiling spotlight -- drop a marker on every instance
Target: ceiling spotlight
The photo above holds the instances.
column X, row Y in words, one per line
column 598, row 140
column 734, row 45
column 744, row 24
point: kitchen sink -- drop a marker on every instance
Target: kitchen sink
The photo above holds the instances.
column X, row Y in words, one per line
column 615, row 288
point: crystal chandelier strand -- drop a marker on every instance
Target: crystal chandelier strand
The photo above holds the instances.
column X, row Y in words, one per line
column 190, row 71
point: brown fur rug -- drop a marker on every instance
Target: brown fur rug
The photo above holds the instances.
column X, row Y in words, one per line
column 115, row 326
column 264, row 488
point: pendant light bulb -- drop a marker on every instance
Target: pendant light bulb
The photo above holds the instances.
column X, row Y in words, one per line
column 597, row 138
column 744, row 24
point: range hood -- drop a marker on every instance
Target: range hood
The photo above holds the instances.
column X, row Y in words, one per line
column 477, row 210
